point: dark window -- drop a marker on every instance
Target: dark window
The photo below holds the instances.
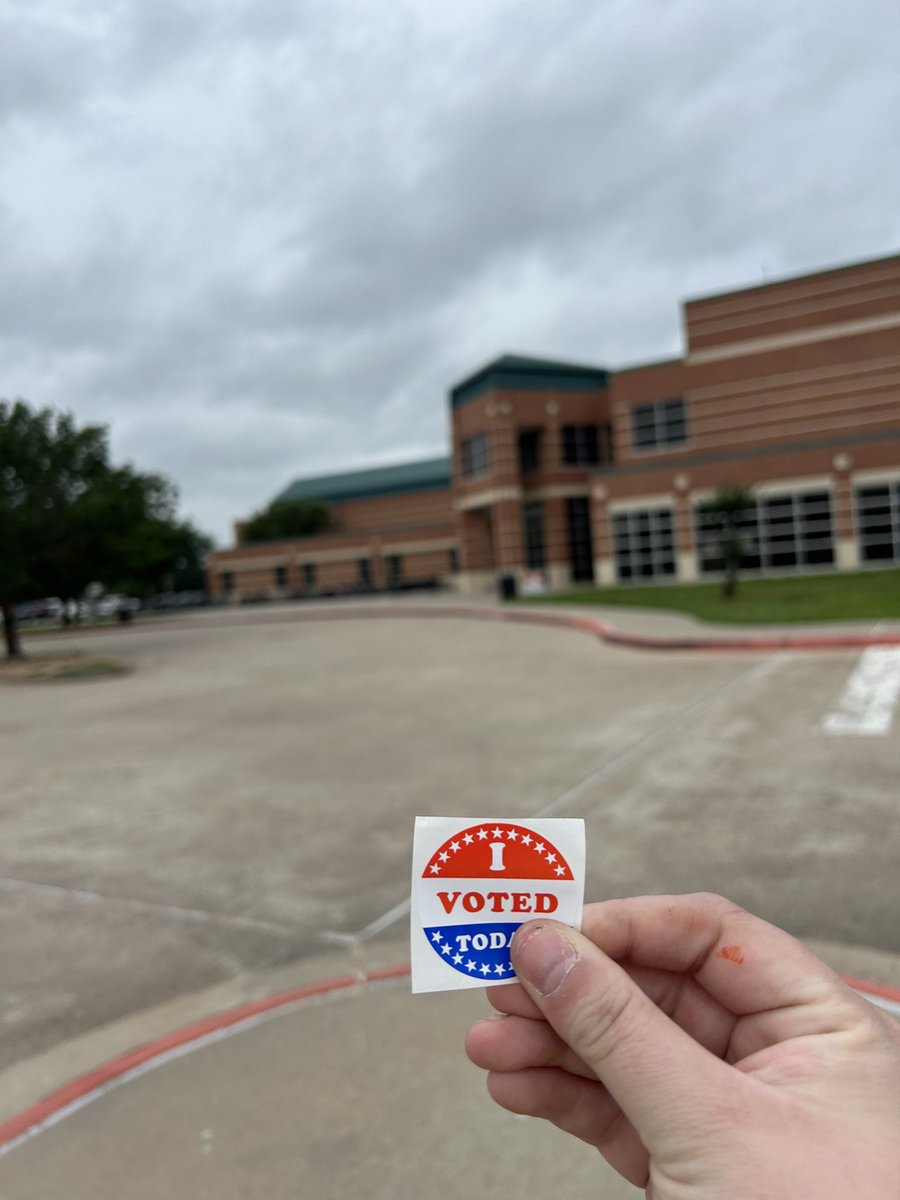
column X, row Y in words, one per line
column 777, row 533
column 453, row 560
column 395, row 570
column 878, row 522
column 533, row 519
column 581, row 445
column 281, row 577
column 475, row 457
column 581, row 543
column 529, row 450
column 364, row 572
column 662, row 423
column 227, row 583
column 309, row 576
column 644, row 544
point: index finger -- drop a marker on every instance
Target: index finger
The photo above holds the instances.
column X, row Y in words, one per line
column 748, row 965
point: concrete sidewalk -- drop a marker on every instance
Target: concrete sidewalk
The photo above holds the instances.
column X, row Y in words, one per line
column 361, row 1092
column 664, row 627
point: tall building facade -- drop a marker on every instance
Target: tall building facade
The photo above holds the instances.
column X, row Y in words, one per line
column 588, row 476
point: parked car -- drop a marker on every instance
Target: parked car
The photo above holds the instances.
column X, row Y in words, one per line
column 48, row 609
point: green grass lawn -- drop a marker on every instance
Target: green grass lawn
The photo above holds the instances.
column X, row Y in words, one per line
column 868, row 596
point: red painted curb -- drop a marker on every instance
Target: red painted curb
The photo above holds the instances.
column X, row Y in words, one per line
column 37, row 1114
column 609, row 633
column 600, row 628
column 883, row 990
column 762, row 643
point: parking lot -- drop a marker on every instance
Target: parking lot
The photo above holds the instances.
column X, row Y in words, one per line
column 250, row 789
column 244, row 800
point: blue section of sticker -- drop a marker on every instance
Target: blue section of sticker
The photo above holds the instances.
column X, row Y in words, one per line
column 477, row 951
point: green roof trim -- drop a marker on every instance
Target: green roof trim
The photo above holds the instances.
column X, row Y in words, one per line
column 515, row 372
column 426, row 475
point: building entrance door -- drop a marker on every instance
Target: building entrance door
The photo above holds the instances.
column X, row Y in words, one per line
column 581, row 542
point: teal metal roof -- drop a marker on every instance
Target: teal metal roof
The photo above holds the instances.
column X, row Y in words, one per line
column 425, row 475
column 514, row 372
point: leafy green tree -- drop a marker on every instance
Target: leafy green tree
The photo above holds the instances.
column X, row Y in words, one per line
column 725, row 514
column 287, row 518
column 69, row 517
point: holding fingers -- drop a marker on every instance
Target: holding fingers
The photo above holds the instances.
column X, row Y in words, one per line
column 701, row 1050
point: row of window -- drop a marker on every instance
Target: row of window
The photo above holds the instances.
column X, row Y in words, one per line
column 309, row 575
column 653, row 426
column 791, row 530
column 580, row 445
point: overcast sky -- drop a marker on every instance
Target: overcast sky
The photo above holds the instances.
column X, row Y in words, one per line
column 261, row 238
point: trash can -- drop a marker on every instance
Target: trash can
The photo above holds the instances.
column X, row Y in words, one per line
column 508, row 586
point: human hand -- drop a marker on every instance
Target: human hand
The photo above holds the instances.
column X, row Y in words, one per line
column 705, row 1053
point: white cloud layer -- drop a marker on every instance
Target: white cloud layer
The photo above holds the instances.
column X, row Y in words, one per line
column 261, row 238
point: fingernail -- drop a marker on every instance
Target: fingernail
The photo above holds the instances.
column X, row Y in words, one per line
column 543, row 958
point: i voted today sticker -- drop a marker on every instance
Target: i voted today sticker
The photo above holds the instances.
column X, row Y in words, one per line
column 474, row 884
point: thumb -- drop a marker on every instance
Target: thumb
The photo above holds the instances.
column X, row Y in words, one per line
column 661, row 1078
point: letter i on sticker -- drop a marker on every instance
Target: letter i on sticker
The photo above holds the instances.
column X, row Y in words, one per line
column 475, row 883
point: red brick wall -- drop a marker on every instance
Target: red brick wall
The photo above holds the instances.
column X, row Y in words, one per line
column 857, row 293
column 406, row 511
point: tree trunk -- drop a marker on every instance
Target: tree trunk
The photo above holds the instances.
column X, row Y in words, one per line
column 11, row 630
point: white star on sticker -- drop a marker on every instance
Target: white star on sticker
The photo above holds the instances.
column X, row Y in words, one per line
column 540, row 847
column 444, row 856
column 437, row 936
column 457, row 958
column 445, row 949
column 454, row 846
column 470, row 966
column 511, row 834
column 485, row 969
column 560, row 870
column 498, row 970
column 468, row 839
column 551, row 858
column 482, row 835
column 498, row 833
column 527, row 839
column 435, row 869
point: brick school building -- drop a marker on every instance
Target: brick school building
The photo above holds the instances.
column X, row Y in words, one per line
column 587, row 476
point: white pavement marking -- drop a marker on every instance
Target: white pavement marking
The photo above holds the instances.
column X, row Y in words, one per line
column 80, row 896
column 866, row 705
column 636, row 748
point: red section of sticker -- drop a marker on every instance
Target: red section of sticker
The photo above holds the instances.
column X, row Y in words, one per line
column 497, row 850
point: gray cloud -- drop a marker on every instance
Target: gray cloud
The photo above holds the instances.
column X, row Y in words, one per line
column 263, row 238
